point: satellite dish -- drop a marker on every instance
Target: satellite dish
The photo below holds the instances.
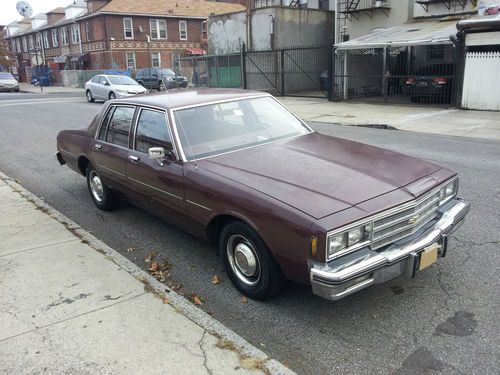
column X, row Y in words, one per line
column 24, row 9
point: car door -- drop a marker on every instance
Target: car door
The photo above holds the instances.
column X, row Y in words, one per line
column 110, row 150
column 159, row 184
column 94, row 87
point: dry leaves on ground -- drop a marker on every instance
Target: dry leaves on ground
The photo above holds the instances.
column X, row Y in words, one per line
column 197, row 300
column 244, row 300
column 151, row 257
column 215, row 279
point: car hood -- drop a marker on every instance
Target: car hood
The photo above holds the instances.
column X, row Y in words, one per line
column 320, row 175
column 8, row 81
column 130, row 88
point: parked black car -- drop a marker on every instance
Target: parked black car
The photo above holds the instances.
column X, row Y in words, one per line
column 431, row 83
column 160, row 79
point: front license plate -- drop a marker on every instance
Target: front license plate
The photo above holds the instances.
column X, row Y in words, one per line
column 429, row 256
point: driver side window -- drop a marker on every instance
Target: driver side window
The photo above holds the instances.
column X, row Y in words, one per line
column 152, row 131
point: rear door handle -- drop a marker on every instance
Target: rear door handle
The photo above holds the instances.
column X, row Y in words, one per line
column 133, row 158
column 97, row 146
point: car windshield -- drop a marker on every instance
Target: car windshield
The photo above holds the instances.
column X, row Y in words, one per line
column 228, row 126
column 6, row 76
column 122, row 80
column 167, row 72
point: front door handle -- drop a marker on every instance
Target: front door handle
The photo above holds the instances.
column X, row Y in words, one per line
column 133, row 158
column 97, row 146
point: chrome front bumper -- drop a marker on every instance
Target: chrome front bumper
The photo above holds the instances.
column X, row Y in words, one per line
column 353, row 272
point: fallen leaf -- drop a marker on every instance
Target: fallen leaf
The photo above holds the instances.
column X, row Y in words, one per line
column 197, row 300
column 154, row 267
column 166, row 300
column 244, row 300
column 130, row 249
column 151, row 257
column 215, row 279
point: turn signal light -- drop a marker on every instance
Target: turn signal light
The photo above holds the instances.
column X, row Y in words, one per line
column 314, row 246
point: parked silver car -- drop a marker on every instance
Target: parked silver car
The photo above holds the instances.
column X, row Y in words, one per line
column 107, row 87
column 8, row 82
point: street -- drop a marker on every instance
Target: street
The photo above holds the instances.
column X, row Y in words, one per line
column 444, row 320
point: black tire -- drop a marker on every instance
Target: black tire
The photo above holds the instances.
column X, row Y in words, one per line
column 103, row 197
column 267, row 280
column 112, row 95
column 162, row 86
column 90, row 97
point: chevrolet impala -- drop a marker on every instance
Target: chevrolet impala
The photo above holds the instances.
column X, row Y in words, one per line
column 279, row 200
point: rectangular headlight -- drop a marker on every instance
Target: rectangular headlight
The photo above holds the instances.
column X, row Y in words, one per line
column 348, row 240
column 448, row 191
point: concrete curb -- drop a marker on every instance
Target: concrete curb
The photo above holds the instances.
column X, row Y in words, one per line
column 184, row 307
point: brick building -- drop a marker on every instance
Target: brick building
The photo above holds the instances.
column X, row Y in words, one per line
column 118, row 34
column 7, row 59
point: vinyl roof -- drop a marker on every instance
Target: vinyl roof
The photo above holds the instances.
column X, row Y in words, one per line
column 407, row 34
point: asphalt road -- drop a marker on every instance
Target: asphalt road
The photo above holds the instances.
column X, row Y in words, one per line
column 443, row 321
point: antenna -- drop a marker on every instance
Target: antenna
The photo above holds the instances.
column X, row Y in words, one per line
column 24, row 9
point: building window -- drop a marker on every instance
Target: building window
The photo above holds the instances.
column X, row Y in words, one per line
column 183, row 30
column 158, row 29
column 204, row 26
column 38, row 41
column 55, row 42
column 64, row 36
column 46, row 39
column 87, row 31
column 30, row 42
column 155, row 60
column 25, row 44
column 75, row 34
column 128, row 28
column 18, row 45
column 130, row 60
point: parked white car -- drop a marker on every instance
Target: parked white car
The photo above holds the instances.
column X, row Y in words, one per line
column 8, row 82
column 108, row 87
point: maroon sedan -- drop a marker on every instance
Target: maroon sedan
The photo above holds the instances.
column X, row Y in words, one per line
column 278, row 199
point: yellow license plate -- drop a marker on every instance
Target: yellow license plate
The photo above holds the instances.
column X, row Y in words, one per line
column 429, row 256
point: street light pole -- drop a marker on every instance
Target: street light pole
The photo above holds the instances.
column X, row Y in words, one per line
column 148, row 39
column 111, row 50
column 36, row 50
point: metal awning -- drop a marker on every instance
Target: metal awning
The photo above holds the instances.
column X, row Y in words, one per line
column 196, row 51
column 407, row 34
column 81, row 57
column 60, row 59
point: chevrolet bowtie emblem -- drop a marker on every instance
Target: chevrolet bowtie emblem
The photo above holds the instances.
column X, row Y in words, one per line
column 413, row 219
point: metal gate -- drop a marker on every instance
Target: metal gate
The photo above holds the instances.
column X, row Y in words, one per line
column 401, row 74
column 481, row 81
column 297, row 71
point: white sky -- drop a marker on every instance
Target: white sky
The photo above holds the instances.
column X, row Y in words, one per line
column 8, row 12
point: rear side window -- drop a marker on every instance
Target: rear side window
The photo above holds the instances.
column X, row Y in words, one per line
column 152, row 131
column 104, row 126
column 96, row 79
column 119, row 126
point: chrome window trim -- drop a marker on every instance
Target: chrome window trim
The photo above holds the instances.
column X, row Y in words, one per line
column 167, row 123
column 113, row 107
column 380, row 215
column 263, row 95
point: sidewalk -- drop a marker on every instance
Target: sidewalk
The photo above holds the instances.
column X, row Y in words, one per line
column 455, row 122
column 69, row 304
column 32, row 89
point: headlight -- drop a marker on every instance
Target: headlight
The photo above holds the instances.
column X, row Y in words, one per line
column 348, row 240
column 448, row 191
column 121, row 91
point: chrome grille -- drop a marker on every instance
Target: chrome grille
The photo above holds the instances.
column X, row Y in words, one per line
column 406, row 221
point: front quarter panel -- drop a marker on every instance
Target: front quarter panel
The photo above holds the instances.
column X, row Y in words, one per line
column 284, row 229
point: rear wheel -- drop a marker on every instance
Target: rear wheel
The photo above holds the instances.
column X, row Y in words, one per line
column 112, row 95
column 89, row 96
column 161, row 86
column 248, row 262
column 103, row 197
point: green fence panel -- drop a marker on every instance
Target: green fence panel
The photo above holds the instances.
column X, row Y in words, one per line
column 225, row 77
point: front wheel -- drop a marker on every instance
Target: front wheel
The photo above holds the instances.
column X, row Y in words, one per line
column 248, row 262
column 103, row 197
column 90, row 98
column 161, row 86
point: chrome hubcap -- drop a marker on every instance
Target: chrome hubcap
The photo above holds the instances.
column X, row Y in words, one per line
column 96, row 186
column 243, row 259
